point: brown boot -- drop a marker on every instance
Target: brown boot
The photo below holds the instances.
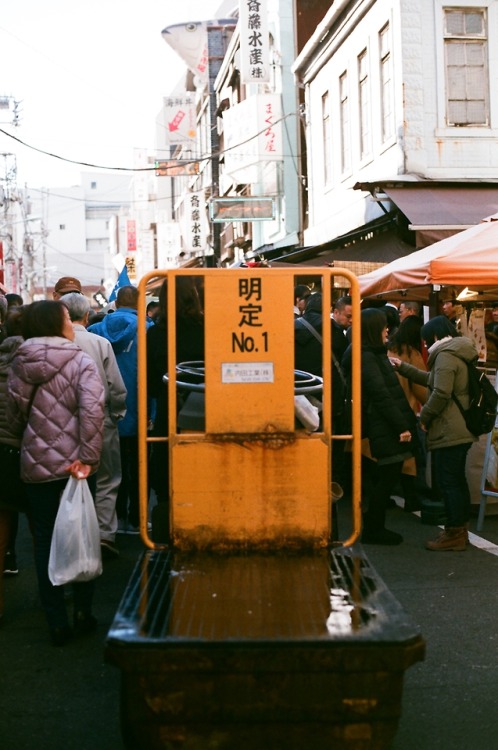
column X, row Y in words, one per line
column 466, row 529
column 451, row 539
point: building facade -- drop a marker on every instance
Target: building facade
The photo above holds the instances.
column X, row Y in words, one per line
column 400, row 101
column 75, row 231
column 259, row 126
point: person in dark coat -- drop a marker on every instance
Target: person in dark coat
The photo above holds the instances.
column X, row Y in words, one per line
column 308, row 356
column 189, row 348
column 341, row 322
column 301, row 294
column 307, row 348
column 388, row 422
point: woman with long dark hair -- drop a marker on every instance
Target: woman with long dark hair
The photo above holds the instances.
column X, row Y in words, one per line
column 56, row 405
column 448, row 438
column 388, row 423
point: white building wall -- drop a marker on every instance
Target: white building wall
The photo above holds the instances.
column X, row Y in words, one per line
column 423, row 146
column 432, row 148
column 334, row 207
column 65, row 239
column 76, row 224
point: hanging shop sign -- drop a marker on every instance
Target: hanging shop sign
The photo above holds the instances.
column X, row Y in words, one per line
column 253, row 134
column 176, row 168
column 179, row 113
column 254, row 41
column 242, row 209
column 195, row 224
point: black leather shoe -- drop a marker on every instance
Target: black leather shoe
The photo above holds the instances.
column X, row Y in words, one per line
column 381, row 536
column 412, row 505
column 84, row 623
column 60, row 636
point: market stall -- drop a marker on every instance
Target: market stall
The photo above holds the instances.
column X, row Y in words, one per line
column 464, row 266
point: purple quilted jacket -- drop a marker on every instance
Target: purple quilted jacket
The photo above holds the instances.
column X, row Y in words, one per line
column 66, row 418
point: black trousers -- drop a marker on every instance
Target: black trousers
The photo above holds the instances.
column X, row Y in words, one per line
column 380, row 483
column 127, row 499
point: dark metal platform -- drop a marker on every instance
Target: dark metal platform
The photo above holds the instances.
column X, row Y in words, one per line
column 260, row 651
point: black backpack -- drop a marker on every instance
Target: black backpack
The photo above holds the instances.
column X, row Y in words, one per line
column 480, row 417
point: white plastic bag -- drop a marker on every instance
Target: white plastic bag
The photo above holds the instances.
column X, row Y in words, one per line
column 75, row 550
column 307, row 413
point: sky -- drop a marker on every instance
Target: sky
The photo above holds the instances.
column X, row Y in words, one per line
column 91, row 75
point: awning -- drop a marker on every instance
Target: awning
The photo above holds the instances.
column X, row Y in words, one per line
column 468, row 260
column 428, row 204
column 375, row 242
column 444, row 207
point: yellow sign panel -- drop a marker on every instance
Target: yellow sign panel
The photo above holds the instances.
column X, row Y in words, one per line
column 249, row 353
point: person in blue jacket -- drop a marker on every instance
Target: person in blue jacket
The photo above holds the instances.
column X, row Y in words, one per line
column 120, row 328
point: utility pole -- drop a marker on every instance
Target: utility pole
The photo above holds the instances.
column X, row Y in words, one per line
column 8, row 197
column 10, row 262
column 10, row 108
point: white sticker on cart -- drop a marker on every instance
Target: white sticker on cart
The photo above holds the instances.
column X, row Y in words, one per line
column 250, row 372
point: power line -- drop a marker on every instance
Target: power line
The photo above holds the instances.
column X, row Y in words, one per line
column 209, row 157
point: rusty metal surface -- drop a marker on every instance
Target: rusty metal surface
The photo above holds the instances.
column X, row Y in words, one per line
column 283, row 599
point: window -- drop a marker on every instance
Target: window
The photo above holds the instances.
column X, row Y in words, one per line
column 466, row 49
column 344, row 123
column 62, row 226
column 326, row 138
column 386, row 84
column 93, row 186
column 364, row 104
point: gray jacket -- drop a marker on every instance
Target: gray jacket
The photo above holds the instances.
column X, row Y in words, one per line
column 102, row 353
column 447, row 374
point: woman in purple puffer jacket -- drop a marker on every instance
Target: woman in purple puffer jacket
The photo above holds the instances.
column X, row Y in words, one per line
column 56, row 403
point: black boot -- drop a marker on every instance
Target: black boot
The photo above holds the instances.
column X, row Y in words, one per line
column 374, row 530
column 381, row 536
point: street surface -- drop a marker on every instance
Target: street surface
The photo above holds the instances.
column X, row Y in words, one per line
column 68, row 698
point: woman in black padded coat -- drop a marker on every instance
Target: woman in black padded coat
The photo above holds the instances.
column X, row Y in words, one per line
column 387, row 421
column 189, row 347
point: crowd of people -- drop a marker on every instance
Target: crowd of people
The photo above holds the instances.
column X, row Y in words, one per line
column 68, row 406
column 411, row 372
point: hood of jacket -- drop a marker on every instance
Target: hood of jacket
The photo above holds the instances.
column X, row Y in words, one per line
column 120, row 328
column 40, row 358
column 460, row 346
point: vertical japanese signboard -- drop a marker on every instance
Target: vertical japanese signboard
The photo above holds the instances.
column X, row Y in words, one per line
column 249, row 354
column 257, row 123
column 254, row 41
column 131, row 236
column 180, row 118
column 131, row 249
column 195, row 225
